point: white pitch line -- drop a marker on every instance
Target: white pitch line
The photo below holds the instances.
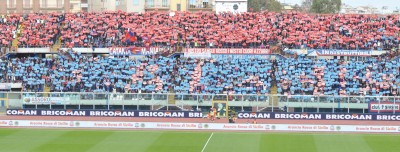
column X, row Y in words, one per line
column 207, row 142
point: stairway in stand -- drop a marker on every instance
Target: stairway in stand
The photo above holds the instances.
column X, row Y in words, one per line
column 46, row 90
column 171, row 99
column 15, row 41
column 57, row 45
column 273, row 97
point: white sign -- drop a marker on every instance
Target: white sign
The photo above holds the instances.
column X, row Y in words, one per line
column 234, row 6
column 45, row 100
column 33, row 50
column 201, row 126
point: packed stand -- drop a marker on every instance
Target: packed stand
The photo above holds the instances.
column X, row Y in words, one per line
column 79, row 73
column 207, row 29
column 32, row 72
column 40, row 30
column 9, row 28
column 235, row 76
column 291, row 30
column 188, row 76
column 304, row 76
column 74, row 72
column 92, row 30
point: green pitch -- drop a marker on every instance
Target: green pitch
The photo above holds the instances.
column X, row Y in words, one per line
column 54, row 140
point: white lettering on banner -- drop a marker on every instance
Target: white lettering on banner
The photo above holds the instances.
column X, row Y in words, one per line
column 112, row 113
column 128, row 51
column 220, row 51
column 195, row 115
column 193, row 51
column 22, row 112
column 242, row 56
column 298, row 116
column 62, row 113
column 162, row 114
column 151, row 51
column 343, row 52
column 261, row 51
column 387, row 117
column 255, row 115
column 247, row 51
column 348, row 117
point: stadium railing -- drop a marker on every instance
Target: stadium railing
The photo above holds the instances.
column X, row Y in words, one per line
column 17, row 100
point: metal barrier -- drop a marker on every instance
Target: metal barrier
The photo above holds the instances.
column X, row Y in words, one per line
column 293, row 103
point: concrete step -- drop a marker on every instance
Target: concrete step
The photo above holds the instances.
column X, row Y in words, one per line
column 57, row 45
column 15, row 41
column 46, row 90
column 171, row 99
column 273, row 97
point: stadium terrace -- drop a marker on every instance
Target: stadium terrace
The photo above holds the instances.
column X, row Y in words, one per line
column 203, row 30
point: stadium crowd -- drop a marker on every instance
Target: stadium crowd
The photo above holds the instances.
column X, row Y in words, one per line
column 335, row 77
column 40, row 30
column 74, row 72
column 205, row 29
column 8, row 28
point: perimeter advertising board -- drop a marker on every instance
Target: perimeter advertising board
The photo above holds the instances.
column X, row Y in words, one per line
column 200, row 126
column 104, row 113
column 197, row 114
column 318, row 116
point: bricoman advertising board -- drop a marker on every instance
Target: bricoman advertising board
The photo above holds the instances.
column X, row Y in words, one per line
column 104, row 113
column 384, row 107
column 45, row 100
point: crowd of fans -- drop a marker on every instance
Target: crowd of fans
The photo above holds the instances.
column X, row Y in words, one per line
column 205, row 29
column 8, row 28
column 224, row 76
column 304, row 76
column 80, row 73
column 40, row 30
column 75, row 72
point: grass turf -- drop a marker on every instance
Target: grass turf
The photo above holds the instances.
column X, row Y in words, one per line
column 54, row 140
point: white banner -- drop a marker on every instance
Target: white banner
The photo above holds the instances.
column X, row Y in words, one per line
column 228, row 51
column 197, row 55
column 45, row 100
column 385, row 107
column 10, row 85
column 234, row 6
column 33, row 50
column 201, row 126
